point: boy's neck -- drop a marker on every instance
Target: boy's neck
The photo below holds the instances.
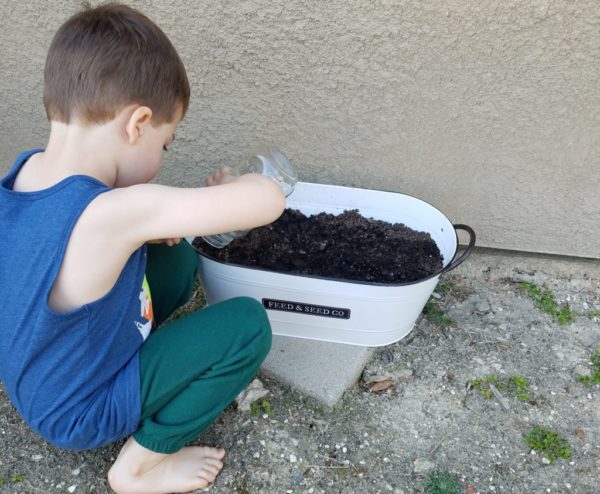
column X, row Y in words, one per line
column 75, row 149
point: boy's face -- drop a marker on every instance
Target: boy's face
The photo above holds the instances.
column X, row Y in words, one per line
column 147, row 154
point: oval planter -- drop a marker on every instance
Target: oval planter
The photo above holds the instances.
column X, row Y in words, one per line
column 336, row 310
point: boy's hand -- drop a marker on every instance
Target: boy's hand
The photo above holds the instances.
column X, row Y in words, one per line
column 220, row 176
column 169, row 241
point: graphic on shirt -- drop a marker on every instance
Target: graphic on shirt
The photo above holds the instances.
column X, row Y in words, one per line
column 145, row 310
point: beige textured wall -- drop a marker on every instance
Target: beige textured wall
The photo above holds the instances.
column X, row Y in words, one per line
column 489, row 110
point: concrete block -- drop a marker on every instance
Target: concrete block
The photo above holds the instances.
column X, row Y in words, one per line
column 319, row 369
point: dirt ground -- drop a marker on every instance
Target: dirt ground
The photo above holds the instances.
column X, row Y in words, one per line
column 481, row 322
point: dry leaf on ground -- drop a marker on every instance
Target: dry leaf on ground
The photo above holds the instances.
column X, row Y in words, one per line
column 378, row 384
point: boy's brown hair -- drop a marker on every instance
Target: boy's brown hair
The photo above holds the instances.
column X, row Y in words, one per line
column 105, row 58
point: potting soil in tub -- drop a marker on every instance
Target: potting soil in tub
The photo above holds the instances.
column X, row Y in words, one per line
column 347, row 246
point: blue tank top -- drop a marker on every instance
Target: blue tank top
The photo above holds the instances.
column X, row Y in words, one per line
column 73, row 376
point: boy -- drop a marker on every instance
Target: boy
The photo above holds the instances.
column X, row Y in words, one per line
column 82, row 291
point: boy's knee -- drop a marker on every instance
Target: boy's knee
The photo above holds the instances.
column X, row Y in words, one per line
column 254, row 318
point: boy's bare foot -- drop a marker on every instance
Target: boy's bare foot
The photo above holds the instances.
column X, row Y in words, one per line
column 138, row 470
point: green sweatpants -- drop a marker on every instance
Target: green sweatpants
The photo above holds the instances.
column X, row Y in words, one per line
column 192, row 368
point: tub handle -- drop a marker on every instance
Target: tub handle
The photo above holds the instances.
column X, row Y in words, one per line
column 455, row 262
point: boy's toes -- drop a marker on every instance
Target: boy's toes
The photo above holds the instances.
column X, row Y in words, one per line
column 208, row 476
column 218, row 464
column 220, row 453
column 207, row 467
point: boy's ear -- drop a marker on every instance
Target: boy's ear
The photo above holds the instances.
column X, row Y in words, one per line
column 136, row 120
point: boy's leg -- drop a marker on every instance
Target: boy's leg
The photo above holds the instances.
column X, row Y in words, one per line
column 194, row 367
column 190, row 371
column 171, row 273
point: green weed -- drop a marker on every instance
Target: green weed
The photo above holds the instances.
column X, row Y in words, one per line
column 260, row 407
column 441, row 482
column 593, row 313
column 17, row 477
column 548, row 443
column 433, row 309
column 519, row 384
column 443, row 287
column 266, row 406
column 594, row 378
column 436, row 315
column 482, row 385
column 1, row 480
column 515, row 386
column 544, row 300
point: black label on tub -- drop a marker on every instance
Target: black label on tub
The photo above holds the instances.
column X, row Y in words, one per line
column 303, row 308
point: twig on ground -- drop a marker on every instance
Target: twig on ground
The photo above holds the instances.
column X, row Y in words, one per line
column 435, row 448
column 332, row 459
column 503, row 401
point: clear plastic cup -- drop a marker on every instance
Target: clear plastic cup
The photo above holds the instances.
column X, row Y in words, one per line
column 270, row 162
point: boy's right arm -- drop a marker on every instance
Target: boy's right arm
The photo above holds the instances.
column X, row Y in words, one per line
column 119, row 221
column 141, row 213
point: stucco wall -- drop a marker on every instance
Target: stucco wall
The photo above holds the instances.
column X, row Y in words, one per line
column 489, row 110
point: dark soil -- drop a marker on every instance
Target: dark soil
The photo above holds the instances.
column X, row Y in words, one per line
column 346, row 246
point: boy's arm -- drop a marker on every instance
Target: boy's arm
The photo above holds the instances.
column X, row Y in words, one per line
column 146, row 212
column 119, row 221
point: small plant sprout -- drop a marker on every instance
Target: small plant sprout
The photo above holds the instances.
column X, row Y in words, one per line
column 432, row 310
column 544, row 300
column 266, row 407
column 444, row 287
column 441, row 482
column 548, row 443
column 515, row 386
column 437, row 315
column 16, row 478
column 519, row 385
column 593, row 314
column 594, row 377
column 259, row 407
column 482, row 385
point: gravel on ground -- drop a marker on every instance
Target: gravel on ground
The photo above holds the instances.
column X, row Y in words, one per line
column 433, row 410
